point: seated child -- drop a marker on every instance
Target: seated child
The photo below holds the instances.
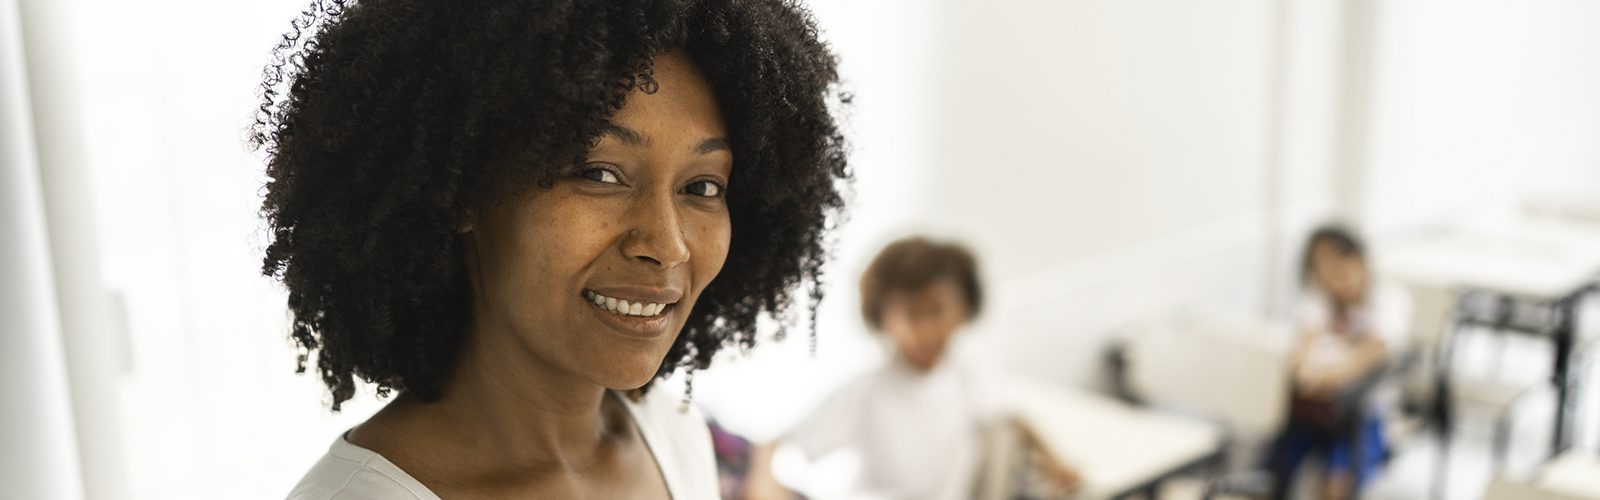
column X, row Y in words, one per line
column 1349, row 325
column 918, row 421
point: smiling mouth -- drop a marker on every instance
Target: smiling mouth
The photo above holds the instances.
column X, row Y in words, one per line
column 626, row 308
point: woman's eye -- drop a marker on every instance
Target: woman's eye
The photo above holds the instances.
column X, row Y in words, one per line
column 598, row 174
column 708, row 189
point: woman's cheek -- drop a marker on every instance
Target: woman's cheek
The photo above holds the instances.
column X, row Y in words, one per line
column 578, row 226
column 711, row 241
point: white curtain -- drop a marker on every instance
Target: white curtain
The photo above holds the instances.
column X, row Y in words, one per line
column 59, row 312
column 40, row 458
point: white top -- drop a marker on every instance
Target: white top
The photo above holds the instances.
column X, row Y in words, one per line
column 1385, row 315
column 679, row 441
column 919, row 434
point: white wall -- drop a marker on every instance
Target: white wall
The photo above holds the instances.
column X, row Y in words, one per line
column 1315, row 120
column 1109, row 159
column 1479, row 104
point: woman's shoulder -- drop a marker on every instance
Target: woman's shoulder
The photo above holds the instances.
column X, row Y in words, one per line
column 350, row 472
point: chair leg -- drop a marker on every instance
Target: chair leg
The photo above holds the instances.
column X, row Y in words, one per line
column 1441, row 464
column 1443, row 414
column 1502, row 441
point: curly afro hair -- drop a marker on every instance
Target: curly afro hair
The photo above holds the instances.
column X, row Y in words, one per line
column 385, row 122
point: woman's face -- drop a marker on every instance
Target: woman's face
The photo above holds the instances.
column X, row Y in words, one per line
column 596, row 274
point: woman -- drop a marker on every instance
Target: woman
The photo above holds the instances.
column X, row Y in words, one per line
column 514, row 215
column 1350, row 325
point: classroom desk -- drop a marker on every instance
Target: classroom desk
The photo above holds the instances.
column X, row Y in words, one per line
column 1119, row 450
column 1505, row 489
column 1574, row 474
column 1571, row 476
column 1545, row 264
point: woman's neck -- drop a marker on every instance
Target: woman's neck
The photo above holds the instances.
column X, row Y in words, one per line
column 523, row 410
column 504, row 405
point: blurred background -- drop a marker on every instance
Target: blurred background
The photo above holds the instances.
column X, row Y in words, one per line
column 1124, row 170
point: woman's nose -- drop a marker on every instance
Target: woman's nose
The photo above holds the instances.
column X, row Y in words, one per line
column 656, row 235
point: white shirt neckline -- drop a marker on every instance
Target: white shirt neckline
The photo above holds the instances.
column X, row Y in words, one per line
column 648, row 430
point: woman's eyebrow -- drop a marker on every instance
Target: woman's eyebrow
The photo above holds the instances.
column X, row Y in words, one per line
column 712, row 145
column 634, row 138
column 626, row 135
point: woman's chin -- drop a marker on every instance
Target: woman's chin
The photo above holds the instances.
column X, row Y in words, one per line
column 628, row 375
column 631, row 383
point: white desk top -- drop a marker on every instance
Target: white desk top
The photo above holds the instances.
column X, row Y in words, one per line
column 1506, row 489
column 1114, row 446
column 1538, row 261
column 1574, row 474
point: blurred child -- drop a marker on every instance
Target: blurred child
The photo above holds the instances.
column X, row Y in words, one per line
column 1349, row 326
column 918, row 421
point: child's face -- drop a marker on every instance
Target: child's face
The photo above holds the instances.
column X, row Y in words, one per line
column 921, row 321
column 1343, row 277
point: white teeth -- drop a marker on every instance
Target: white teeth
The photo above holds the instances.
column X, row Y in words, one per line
column 624, row 307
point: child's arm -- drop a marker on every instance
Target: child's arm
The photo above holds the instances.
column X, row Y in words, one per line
column 1306, row 379
column 1062, row 474
column 831, row 426
column 1369, row 354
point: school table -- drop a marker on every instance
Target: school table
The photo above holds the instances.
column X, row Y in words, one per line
column 1542, row 264
column 1118, row 449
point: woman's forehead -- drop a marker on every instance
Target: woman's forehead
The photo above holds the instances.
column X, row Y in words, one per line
column 679, row 105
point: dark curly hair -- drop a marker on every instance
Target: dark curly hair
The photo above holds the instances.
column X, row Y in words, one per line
column 385, row 122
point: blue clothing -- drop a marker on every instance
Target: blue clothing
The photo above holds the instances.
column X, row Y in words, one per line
column 1337, row 450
